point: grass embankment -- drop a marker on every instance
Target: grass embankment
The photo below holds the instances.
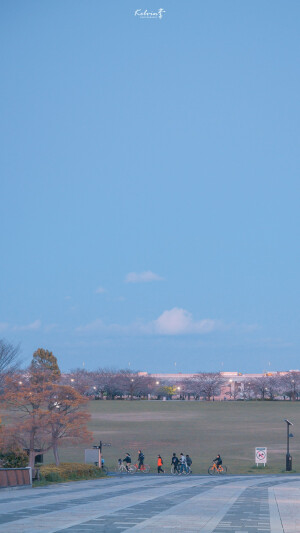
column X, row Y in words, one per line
column 201, row 429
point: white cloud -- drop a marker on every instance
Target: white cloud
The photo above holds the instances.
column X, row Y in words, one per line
column 96, row 325
column 142, row 277
column 50, row 327
column 33, row 326
column 175, row 321
column 100, row 290
column 178, row 321
column 99, row 326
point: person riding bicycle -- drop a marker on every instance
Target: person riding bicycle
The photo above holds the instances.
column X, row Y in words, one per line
column 182, row 463
column 141, row 458
column 218, row 461
column 127, row 460
column 175, row 462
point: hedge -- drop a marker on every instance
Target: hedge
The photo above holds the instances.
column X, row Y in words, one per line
column 69, row 471
column 13, row 459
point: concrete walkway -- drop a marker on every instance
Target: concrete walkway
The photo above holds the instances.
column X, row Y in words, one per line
column 151, row 503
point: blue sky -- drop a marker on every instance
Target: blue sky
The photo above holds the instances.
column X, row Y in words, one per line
column 150, row 183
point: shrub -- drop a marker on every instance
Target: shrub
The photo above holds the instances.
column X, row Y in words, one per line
column 69, row 471
column 14, row 459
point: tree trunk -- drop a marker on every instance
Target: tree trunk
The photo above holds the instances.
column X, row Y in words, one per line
column 31, row 458
column 55, row 452
column 31, row 451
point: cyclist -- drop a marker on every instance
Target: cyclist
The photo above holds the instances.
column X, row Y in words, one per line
column 188, row 461
column 141, row 458
column 182, row 463
column 159, row 465
column 127, row 460
column 218, row 461
column 175, row 462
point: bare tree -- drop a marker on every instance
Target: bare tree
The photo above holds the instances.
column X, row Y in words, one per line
column 266, row 387
column 291, row 385
column 207, row 385
column 248, row 390
column 134, row 384
column 9, row 360
column 107, row 382
column 80, row 379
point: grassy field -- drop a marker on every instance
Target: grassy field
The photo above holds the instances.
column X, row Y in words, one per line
column 201, row 429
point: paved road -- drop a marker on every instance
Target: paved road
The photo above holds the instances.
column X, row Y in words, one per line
column 149, row 503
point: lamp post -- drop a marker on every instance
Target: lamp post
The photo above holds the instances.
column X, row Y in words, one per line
column 179, row 391
column 230, row 388
column 288, row 457
column 294, row 391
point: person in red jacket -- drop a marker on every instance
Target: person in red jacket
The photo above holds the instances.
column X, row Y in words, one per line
column 159, row 465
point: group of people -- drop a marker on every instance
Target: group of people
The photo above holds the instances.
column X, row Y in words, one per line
column 179, row 464
column 127, row 460
column 183, row 463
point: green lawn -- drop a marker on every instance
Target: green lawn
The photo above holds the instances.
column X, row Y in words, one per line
column 201, row 429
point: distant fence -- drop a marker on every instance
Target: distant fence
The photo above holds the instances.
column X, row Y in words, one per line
column 15, row 477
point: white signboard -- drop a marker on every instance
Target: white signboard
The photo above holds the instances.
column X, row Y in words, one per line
column 92, row 456
column 261, row 456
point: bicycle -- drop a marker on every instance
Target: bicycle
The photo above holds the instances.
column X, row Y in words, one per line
column 121, row 469
column 185, row 471
column 104, row 469
column 145, row 469
column 215, row 470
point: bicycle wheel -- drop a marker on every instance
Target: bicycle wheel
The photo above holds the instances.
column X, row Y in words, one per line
column 145, row 469
column 223, row 469
column 105, row 469
column 132, row 469
column 212, row 470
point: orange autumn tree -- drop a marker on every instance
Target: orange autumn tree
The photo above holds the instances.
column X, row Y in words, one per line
column 67, row 419
column 46, row 413
column 30, row 418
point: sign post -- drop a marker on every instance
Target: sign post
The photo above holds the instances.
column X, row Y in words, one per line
column 261, row 456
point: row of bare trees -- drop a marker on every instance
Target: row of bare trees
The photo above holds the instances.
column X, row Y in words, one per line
column 112, row 384
column 271, row 387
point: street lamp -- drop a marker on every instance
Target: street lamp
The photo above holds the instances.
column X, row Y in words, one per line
column 157, row 382
column 230, row 387
column 294, row 390
column 288, row 457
